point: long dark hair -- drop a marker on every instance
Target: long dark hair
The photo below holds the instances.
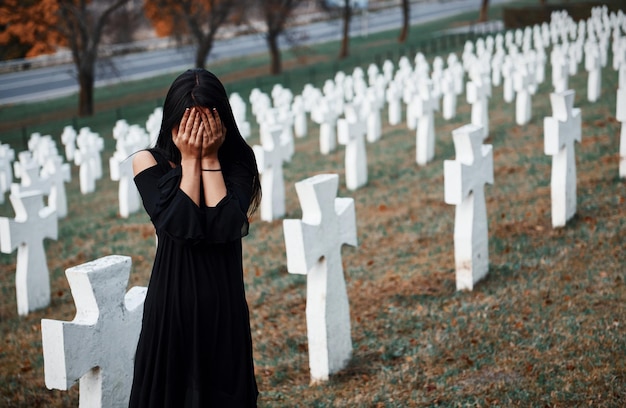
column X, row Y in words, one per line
column 199, row 87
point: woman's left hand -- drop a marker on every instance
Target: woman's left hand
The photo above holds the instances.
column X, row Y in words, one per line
column 214, row 133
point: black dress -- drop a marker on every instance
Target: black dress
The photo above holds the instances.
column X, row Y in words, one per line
column 195, row 348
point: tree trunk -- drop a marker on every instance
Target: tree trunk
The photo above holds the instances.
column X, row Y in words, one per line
column 482, row 17
column 202, row 52
column 85, row 95
column 347, row 15
column 406, row 11
column 275, row 64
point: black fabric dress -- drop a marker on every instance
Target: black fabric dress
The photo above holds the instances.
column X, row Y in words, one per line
column 195, row 348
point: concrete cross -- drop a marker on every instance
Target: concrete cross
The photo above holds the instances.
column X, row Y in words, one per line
column 326, row 114
column 270, row 158
column 32, row 224
column 98, row 346
column 351, row 133
column 561, row 130
column 523, row 103
column 7, row 155
column 29, row 172
column 478, row 93
column 594, row 68
column 57, row 174
column 68, row 138
column 620, row 115
column 465, row 178
column 424, row 106
column 313, row 247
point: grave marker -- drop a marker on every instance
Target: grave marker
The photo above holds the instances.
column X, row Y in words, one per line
column 425, row 105
column 98, row 346
column 561, row 130
column 478, row 93
column 351, row 133
column 32, row 224
column 313, row 247
column 270, row 158
column 465, row 178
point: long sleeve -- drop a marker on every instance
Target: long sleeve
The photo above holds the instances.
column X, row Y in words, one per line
column 174, row 213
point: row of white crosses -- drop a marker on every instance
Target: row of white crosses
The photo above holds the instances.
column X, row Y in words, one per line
column 42, row 172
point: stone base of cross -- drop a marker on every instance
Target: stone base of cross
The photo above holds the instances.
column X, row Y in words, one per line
column 98, row 346
column 313, row 247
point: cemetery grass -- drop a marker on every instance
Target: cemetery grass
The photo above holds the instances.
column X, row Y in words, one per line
column 545, row 328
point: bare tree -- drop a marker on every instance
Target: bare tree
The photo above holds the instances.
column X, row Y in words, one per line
column 201, row 19
column 346, row 15
column 276, row 14
column 483, row 16
column 406, row 15
column 81, row 24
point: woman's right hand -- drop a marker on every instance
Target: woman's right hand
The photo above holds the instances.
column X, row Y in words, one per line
column 188, row 136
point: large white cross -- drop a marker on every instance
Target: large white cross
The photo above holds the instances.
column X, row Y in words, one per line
column 313, row 247
column 32, row 224
column 351, row 133
column 270, row 158
column 425, row 105
column 561, row 130
column 98, row 346
column 465, row 178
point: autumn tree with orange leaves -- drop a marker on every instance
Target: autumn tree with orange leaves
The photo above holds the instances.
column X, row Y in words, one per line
column 47, row 24
column 27, row 27
column 197, row 19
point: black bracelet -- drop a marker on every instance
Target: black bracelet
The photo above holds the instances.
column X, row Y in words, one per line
column 211, row 169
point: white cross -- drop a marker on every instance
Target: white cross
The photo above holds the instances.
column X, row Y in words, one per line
column 29, row 172
column 7, row 155
column 313, row 247
column 478, row 93
column 121, row 168
column 560, row 73
column 465, row 178
column 561, row 130
column 98, row 346
column 68, row 138
column 57, row 174
column 326, row 115
column 523, row 104
column 620, row 115
column 351, row 133
column 594, row 68
column 270, row 158
column 32, row 224
column 424, row 105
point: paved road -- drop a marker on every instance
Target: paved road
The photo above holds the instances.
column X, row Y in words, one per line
column 60, row 80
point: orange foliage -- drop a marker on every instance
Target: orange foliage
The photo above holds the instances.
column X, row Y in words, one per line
column 32, row 23
column 167, row 16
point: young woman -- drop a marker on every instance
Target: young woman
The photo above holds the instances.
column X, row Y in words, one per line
column 198, row 185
